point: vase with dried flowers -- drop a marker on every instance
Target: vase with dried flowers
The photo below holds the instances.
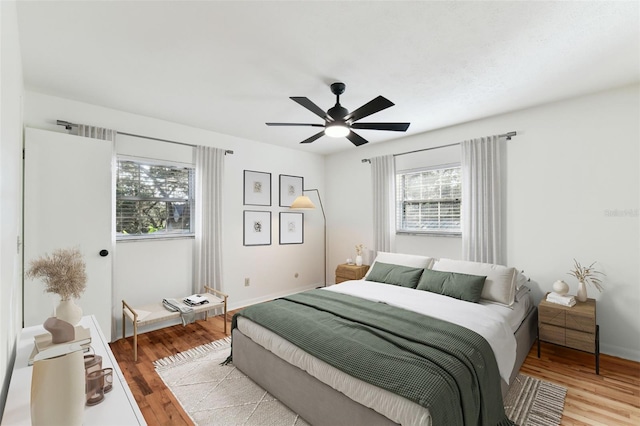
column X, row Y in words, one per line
column 585, row 274
column 63, row 273
column 359, row 248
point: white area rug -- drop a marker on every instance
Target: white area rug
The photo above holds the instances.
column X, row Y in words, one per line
column 212, row 394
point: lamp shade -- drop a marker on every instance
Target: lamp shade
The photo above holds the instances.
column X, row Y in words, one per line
column 303, row 203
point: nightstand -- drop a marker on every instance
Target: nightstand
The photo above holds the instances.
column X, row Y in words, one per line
column 346, row 272
column 573, row 327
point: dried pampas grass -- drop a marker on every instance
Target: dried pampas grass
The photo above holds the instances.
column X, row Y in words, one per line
column 63, row 273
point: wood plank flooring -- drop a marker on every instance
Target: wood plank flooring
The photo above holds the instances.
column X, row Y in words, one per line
column 612, row 398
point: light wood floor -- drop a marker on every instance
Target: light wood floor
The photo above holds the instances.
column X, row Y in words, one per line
column 612, row 398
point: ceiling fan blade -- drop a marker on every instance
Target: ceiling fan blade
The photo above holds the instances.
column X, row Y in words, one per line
column 356, row 139
column 394, row 127
column 376, row 105
column 295, row 124
column 305, row 102
column 313, row 138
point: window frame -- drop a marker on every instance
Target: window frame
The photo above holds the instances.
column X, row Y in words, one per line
column 400, row 201
column 163, row 235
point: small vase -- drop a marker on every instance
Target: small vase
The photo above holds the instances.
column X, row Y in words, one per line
column 68, row 311
column 358, row 260
column 561, row 287
column 581, row 296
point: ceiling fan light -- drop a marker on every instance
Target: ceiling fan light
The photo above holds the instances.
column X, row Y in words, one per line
column 336, row 130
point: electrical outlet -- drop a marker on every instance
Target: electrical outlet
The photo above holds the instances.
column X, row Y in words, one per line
column 246, row 282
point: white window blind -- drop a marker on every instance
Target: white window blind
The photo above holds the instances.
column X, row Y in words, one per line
column 428, row 200
column 153, row 200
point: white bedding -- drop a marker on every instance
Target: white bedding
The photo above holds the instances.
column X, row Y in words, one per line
column 514, row 314
column 491, row 323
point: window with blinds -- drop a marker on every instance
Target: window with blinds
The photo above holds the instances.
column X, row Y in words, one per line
column 153, row 200
column 428, row 200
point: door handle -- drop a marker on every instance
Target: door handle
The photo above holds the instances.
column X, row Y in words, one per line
column 104, row 252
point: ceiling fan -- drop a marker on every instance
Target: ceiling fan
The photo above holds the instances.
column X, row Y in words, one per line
column 339, row 122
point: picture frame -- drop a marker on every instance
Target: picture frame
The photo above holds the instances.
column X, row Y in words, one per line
column 256, row 228
column 291, row 228
column 291, row 187
column 257, row 188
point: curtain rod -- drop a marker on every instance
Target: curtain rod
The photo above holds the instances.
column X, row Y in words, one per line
column 507, row 135
column 67, row 125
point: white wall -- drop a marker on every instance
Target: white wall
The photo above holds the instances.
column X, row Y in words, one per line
column 11, row 88
column 150, row 270
column 572, row 192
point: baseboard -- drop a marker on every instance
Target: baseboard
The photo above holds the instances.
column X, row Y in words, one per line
column 620, row 352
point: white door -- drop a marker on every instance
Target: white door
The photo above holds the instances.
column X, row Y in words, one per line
column 68, row 194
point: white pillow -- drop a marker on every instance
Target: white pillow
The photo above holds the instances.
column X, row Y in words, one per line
column 410, row 260
column 500, row 285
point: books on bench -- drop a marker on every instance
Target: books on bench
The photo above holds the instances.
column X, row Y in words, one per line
column 195, row 300
column 43, row 341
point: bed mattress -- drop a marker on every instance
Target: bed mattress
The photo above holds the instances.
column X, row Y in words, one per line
column 494, row 324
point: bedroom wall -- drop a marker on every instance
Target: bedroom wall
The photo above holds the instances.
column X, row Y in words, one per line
column 148, row 270
column 11, row 88
column 572, row 191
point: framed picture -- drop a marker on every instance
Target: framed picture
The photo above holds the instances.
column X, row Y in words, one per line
column 257, row 228
column 290, row 189
column 257, row 188
column 291, row 228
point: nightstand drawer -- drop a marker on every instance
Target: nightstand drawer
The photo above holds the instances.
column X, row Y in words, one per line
column 348, row 273
column 581, row 322
column 552, row 334
column 582, row 341
column 551, row 316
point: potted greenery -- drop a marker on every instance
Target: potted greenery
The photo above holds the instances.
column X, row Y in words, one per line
column 63, row 273
column 585, row 275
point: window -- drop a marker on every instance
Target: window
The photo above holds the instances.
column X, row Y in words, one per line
column 428, row 200
column 153, row 199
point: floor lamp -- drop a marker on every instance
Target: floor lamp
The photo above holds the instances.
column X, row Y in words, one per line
column 304, row 203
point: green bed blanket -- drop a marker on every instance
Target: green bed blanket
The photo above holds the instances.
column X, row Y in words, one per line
column 444, row 367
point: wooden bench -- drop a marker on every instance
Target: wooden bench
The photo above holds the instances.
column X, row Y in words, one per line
column 156, row 312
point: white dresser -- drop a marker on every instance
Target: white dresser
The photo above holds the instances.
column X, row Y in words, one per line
column 119, row 407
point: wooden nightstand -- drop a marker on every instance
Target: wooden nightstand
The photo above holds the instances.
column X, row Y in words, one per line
column 573, row 327
column 346, row 272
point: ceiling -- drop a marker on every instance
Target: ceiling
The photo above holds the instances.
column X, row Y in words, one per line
column 231, row 66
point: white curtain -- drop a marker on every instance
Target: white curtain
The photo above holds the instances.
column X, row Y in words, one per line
column 383, row 174
column 97, row 132
column 208, row 243
column 482, row 200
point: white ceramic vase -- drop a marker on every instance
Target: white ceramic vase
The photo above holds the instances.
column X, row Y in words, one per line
column 58, row 390
column 581, row 296
column 561, row 287
column 358, row 260
column 68, row 311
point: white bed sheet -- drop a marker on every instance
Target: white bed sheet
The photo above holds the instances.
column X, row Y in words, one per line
column 514, row 314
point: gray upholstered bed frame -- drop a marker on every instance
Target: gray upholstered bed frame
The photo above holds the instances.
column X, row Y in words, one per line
column 320, row 404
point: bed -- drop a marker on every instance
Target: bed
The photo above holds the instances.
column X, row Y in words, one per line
column 322, row 393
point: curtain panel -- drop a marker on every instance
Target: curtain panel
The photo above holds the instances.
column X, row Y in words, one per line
column 383, row 174
column 481, row 211
column 97, row 132
column 208, row 240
